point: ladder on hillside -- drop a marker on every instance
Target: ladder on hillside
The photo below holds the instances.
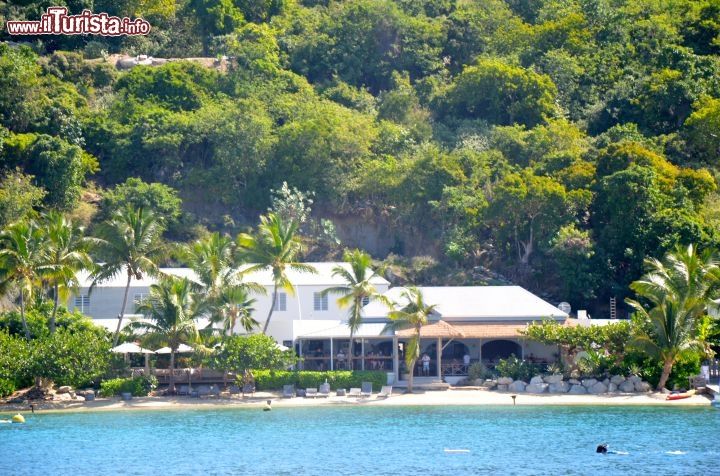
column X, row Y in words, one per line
column 613, row 308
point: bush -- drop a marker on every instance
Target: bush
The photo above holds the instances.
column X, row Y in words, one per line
column 595, row 364
column 138, row 386
column 7, row 387
column 517, row 369
column 95, row 49
column 478, row 371
column 650, row 369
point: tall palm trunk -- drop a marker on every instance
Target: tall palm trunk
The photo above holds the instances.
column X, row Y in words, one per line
column 22, row 315
column 122, row 309
column 272, row 308
column 171, row 377
column 416, row 355
column 411, row 372
column 350, row 352
column 56, row 301
column 665, row 375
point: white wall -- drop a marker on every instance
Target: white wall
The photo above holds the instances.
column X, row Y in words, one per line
column 299, row 307
column 105, row 302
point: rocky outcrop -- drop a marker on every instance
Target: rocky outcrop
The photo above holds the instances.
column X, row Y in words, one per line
column 598, row 388
column 553, row 379
column 537, row 388
column 557, row 384
column 559, row 387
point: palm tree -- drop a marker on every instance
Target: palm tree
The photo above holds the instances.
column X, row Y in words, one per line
column 173, row 309
column 234, row 306
column 678, row 290
column 128, row 242
column 413, row 315
column 213, row 258
column 67, row 253
column 22, row 261
column 358, row 292
column 274, row 246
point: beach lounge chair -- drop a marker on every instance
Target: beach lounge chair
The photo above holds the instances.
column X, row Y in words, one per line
column 288, row 391
column 385, row 391
column 311, row 392
column 355, row 392
column 248, row 388
column 366, row 390
column 202, row 391
column 324, row 390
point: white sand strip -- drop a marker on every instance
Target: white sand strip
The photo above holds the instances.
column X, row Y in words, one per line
column 449, row 397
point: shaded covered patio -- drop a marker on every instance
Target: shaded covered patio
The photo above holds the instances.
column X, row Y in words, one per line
column 325, row 345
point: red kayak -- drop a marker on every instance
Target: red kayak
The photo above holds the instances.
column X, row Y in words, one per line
column 680, row 396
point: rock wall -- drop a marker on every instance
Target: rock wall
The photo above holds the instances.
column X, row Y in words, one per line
column 556, row 384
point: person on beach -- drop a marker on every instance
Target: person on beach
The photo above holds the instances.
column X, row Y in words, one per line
column 426, row 364
column 341, row 360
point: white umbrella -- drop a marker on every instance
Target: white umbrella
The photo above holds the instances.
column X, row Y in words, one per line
column 130, row 348
column 182, row 349
column 281, row 347
column 133, row 348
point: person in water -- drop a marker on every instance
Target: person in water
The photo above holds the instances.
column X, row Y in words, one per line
column 603, row 449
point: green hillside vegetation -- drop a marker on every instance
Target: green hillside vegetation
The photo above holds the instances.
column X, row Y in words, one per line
column 553, row 144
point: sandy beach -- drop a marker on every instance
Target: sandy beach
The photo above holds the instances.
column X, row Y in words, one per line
column 448, row 397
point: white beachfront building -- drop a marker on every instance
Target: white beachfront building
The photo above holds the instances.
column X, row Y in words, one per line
column 103, row 302
column 480, row 322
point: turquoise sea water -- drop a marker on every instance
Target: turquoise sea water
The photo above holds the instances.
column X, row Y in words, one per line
column 359, row 440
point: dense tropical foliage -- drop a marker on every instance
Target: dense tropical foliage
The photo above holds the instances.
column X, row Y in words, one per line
column 555, row 145
column 549, row 142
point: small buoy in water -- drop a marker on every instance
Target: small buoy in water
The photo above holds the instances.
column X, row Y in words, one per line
column 447, row 450
column 18, row 418
column 268, row 406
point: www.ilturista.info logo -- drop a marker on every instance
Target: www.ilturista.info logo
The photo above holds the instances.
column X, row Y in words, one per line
column 57, row 22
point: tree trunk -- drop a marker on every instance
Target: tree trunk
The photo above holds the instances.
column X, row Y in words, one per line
column 272, row 308
column 527, row 249
column 171, row 377
column 51, row 325
column 122, row 309
column 22, row 315
column 350, row 352
column 667, row 369
column 411, row 372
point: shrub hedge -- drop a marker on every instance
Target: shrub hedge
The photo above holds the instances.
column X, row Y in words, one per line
column 273, row 380
column 139, row 386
